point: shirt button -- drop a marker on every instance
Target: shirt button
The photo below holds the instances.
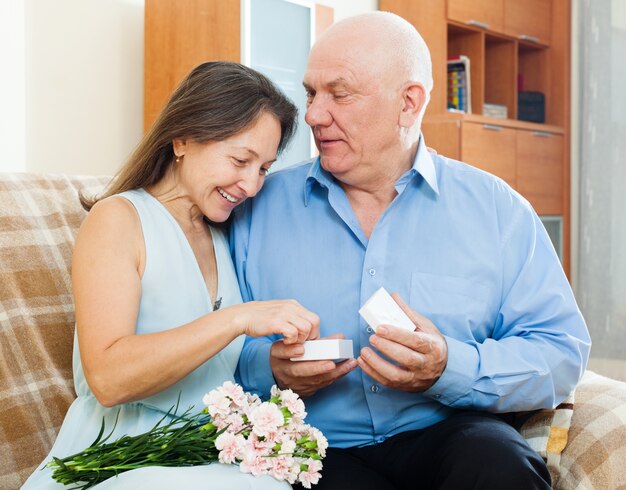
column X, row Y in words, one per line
column 437, row 396
column 374, row 388
column 369, row 330
column 380, row 439
column 372, row 272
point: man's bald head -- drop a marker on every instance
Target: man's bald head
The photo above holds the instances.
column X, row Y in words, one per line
column 385, row 42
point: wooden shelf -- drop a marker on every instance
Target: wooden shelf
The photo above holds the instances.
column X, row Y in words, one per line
column 500, row 85
column 507, row 123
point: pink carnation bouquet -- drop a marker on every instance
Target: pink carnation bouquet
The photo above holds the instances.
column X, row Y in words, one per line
column 262, row 437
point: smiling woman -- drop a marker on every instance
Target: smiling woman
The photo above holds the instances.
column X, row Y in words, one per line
column 218, row 175
column 159, row 317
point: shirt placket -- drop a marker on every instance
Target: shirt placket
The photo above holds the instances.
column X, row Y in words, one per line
column 373, row 277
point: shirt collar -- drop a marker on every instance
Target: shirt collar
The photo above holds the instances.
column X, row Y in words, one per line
column 422, row 165
column 316, row 174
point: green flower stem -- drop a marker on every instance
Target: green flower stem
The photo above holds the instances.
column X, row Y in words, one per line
column 179, row 442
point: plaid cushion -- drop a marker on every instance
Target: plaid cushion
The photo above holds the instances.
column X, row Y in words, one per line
column 39, row 218
column 546, row 431
column 595, row 456
column 584, row 442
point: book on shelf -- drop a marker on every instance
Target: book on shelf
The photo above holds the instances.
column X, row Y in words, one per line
column 498, row 111
column 459, row 87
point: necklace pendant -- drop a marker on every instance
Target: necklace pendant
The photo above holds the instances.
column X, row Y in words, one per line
column 217, row 304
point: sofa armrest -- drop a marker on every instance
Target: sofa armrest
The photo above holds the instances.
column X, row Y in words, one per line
column 595, row 454
column 39, row 218
column 583, row 440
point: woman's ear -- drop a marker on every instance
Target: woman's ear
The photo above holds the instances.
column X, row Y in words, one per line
column 413, row 102
column 180, row 146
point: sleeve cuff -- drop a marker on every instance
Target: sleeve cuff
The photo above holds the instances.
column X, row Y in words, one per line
column 256, row 371
column 458, row 377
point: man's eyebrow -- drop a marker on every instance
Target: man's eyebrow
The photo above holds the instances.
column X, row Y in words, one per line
column 338, row 81
column 332, row 84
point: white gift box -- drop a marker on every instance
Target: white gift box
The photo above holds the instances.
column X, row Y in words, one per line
column 381, row 309
column 333, row 349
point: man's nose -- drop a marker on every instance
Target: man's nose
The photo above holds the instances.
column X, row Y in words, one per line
column 317, row 113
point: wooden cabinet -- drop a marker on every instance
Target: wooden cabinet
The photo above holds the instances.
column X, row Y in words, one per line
column 486, row 14
column 179, row 35
column 528, row 20
column 530, row 161
column 512, row 45
column 491, row 148
column 539, row 175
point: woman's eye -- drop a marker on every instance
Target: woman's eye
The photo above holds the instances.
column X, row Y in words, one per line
column 264, row 171
column 239, row 162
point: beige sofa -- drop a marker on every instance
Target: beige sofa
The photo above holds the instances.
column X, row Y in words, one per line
column 39, row 218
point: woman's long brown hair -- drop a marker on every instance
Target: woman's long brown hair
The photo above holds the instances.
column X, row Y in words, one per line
column 218, row 99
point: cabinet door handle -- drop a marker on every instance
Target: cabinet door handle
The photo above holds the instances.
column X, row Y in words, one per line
column 542, row 134
column 526, row 37
column 492, row 127
column 477, row 23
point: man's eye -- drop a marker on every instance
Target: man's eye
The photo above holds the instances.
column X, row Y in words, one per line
column 341, row 95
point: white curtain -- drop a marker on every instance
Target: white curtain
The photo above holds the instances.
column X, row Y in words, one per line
column 601, row 285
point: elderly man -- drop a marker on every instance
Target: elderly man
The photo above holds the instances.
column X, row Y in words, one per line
column 497, row 327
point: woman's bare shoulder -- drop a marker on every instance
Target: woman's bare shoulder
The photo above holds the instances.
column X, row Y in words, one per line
column 112, row 228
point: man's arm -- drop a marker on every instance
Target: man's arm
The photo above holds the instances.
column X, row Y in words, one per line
column 265, row 361
column 253, row 370
column 535, row 357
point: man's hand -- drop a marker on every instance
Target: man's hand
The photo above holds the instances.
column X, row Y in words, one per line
column 305, row 377
column 422, row 355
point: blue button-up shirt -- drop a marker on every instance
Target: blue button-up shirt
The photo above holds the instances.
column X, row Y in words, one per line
column 461, row 248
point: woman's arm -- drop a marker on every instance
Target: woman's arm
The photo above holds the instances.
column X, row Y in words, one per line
column 121, row 366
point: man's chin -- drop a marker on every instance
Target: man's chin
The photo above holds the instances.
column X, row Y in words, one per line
column 333, row 164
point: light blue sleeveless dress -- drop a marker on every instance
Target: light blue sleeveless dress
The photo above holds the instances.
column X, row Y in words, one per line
column 173, row 292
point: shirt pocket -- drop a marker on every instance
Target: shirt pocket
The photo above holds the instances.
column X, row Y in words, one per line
column 459, row 307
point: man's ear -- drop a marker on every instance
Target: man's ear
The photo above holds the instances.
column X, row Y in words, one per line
column 413, row 101
column 180, row 146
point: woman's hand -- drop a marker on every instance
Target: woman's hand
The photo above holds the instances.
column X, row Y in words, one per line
column 284, row 317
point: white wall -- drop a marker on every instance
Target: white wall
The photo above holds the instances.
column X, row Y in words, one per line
column 346, row 8
column 12, row 86
column 74, row 83
column 84, row 84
